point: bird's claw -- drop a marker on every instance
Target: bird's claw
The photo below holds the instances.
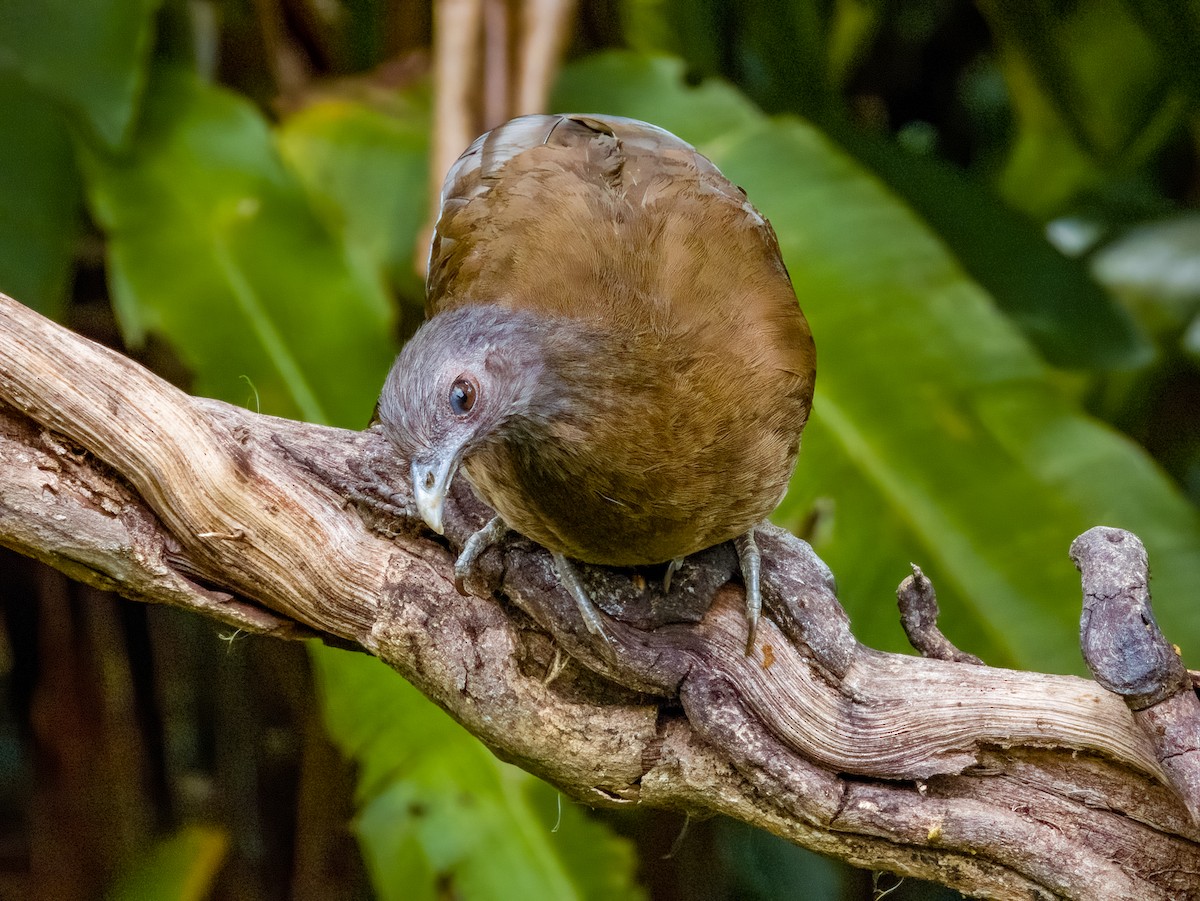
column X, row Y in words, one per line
column 750, row 560
column 568, row 577
column 672, row 568
column 464, row 567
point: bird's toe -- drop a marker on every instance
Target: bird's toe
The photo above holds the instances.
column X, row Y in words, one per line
column 672, row 568
column 464, row 567
column 568, row 577
column 750, row 560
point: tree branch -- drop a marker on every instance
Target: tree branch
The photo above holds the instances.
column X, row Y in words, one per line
column 999, row 783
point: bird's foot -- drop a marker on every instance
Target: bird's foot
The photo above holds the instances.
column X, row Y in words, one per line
column 751, row 563
column 464, row 567
column 568, row 577
column 672, row 568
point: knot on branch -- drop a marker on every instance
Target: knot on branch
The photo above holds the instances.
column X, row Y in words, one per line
column 1129, row 655
column 1121, row 641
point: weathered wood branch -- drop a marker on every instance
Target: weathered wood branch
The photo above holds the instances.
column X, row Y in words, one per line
column 1002, row 784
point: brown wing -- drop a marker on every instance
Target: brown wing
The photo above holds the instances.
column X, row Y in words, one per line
column 617, row 221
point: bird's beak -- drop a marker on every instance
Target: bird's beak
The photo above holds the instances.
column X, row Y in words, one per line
column 431, row 482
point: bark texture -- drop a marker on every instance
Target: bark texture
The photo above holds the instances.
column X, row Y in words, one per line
column 1002, row 784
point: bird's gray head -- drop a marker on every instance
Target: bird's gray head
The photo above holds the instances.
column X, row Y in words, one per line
column 464, row 376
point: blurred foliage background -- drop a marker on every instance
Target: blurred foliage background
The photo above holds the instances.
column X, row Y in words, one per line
column 988, row 210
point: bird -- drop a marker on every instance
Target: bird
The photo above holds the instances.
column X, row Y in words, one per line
column 613, row 353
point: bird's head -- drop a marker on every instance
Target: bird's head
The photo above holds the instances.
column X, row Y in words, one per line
column 459, row 381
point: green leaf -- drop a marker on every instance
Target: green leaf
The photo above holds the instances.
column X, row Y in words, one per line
column 683, row 28
column 90, row 56
column 1174, row 25
column 775, row 50
column 440, row 815
column 39, row 199
column 1054, row 300
column 367, row 171
column 606, row 83
column 182, row 867
column 853, row 26
column 1081, row 116
column 938, row 437
column 214, row 244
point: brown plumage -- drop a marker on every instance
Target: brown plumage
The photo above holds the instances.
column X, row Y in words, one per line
column 614, row 351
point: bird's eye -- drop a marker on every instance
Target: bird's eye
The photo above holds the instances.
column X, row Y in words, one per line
column 462, row 396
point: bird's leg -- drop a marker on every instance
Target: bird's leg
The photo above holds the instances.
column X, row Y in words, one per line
column 568, row 577
column 672, row 568
column 479, row 542
column 751, row 563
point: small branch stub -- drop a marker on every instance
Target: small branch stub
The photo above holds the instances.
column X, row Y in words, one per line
column 919, row 615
